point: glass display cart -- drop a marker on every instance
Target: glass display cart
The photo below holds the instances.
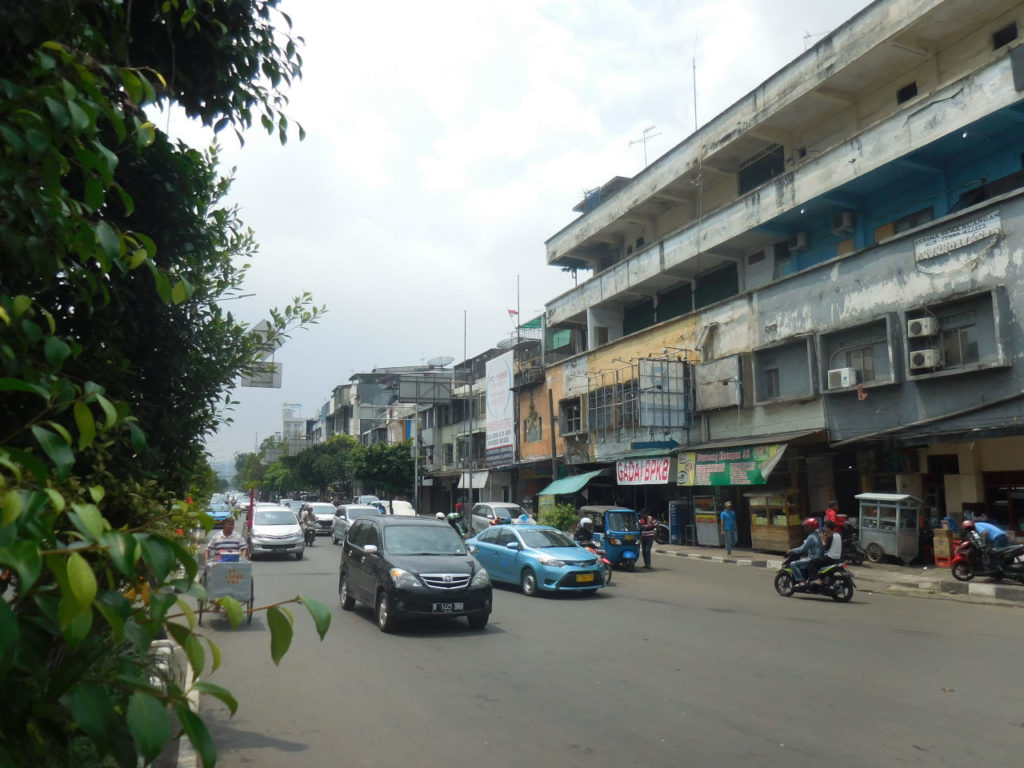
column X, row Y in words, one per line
column 775, row 520
column 889, row 525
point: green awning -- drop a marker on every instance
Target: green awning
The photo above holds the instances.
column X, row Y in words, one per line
column 569, row 484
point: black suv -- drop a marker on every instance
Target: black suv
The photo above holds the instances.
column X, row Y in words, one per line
column 412, row 567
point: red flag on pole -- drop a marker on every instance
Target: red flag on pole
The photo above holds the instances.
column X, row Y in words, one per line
column 512, row 313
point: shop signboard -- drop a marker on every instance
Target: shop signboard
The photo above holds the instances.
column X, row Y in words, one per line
column 746, row 465
column 644, row 471
column 501, row 433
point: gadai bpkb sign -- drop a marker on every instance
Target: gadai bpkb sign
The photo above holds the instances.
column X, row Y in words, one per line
column 644, row 471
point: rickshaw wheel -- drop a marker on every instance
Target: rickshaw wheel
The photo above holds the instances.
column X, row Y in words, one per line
column 252, row 602
column 629, row 565
column 874, row 553
column 200, row 613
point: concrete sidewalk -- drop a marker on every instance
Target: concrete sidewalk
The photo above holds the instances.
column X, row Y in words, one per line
column 912, row 580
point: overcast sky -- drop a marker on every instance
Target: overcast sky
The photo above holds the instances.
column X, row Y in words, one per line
column 446, row 142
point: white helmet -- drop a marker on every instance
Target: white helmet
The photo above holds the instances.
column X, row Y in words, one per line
column 439, row 515
column 586, row 522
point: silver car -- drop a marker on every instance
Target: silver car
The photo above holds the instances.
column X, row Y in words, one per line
column 274, row 530
column 324, row 513
column 346, row 514
column 486, row 512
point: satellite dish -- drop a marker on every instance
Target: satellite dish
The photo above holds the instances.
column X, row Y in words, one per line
column 440, row 361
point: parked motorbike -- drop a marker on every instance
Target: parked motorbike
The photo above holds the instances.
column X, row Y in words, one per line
column 974, row 557
column 833, row 581
column 661, row 533
column 852, row 551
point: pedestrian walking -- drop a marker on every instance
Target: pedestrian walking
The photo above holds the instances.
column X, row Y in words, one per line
column 647, row 529
column 727, row 522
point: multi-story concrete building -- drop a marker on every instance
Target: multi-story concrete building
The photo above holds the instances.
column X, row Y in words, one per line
column 823, row 283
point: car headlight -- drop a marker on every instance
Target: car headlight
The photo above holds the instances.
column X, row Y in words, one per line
column 550, row 561
column 403, row 579
column 480, row 579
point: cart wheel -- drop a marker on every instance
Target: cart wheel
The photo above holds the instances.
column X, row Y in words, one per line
column 874, row 553
column 629, row 565
column 252, row 602
column 784, row 583
column 200, row 613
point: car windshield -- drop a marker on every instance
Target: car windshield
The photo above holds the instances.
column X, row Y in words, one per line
column 541, row 538
column 274, row 517
column 623, row 521
column 423, row 540
column 323, row 509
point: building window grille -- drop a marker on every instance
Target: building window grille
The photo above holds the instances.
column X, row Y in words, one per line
column 570, row 416
column 863, row 361
column 959, row 347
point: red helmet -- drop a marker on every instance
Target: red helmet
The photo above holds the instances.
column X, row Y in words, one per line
column 811, row 522
column 968, row 525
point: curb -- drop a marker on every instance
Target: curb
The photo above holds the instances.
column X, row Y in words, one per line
column 975, row 592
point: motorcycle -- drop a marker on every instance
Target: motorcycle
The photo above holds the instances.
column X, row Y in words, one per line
column 661, row 533
column 595, row 549
column 852, row 551
column 833, row 581
column 973, row 557
column 309, row 533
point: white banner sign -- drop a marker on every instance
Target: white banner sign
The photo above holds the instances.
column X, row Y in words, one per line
column 643, row 471
column 959, row 236
column 501, row 426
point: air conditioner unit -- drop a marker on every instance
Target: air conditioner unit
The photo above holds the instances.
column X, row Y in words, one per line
column 842, row 224
column 922, row 326
column 798, row 242
column 842, row 377
column 925, row 358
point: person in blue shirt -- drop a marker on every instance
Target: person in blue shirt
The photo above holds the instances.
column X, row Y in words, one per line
column 995, row 535
column 727, row 520
column 809, row 550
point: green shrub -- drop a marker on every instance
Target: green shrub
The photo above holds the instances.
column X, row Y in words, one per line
column 563, row 517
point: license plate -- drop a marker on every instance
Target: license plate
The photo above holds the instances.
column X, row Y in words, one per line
column 584, row 577
column 630, row 537
column 449, row 607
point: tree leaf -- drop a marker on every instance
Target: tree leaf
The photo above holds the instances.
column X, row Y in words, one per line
column 197, row 733
column 56, row 449
column 10, row 507
column 121, row 549
column 57, row 351
column 108, row 410
column 96, row 493
column 159, row 554
column 86, row 425
column 56, row 499
column 81, row 579
column 132, row 85
column 149, row 724
column 280, row 622
column 214, row 655
column 89, row 520
column 321, row 614
column 218, row 692
column 92, row 711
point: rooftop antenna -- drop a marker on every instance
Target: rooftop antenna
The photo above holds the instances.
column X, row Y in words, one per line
column 643, row 140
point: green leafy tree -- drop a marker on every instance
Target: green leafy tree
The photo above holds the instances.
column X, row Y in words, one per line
column 116, row 359
column 388, row 469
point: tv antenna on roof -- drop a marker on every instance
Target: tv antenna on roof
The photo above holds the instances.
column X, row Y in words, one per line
column 643, row 140
column 440, row 361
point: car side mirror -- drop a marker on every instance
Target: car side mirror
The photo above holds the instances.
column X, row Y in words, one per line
column 513, row 545
column 370, row 549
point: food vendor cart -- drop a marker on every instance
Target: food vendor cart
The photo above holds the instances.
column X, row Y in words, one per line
column 706, row 521
column 889, row 525
column 775, row 520
column 228, row 577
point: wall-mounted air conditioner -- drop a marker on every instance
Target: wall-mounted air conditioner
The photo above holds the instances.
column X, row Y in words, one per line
column 922, row 326
column 925, row 358
column 842, row 377
column 798, row 242
column 842, row 224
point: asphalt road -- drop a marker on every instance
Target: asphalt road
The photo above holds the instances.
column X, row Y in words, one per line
column 692, row 663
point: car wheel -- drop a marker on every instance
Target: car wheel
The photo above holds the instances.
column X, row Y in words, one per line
column 479, row 621
column 347, row 601
column 529, row 582
column 298, row 555
column 874, row 553
column 608, row 570
column 385, row 622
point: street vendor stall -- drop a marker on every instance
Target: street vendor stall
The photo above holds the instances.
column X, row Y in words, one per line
column 889, row 525
column 228, row 577
column 706, row 520
column 774, row 520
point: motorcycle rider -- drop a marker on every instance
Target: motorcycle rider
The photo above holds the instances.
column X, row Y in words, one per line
column 455, row 521
column 833, row 549
column 584, row 534
column 811, row 548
